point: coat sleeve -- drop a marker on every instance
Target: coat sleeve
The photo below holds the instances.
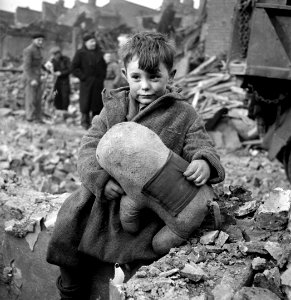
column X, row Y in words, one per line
column 198, row 145
column 27, row 64
column 77, row 66
column 91, row 174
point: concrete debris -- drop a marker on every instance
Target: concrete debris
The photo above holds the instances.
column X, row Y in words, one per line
column 286, row 278
column 259, row 264
column 193, row 272
column 254, row 293
column 273, row 213
column 221, row 239
column 248, row 257
column 269, row 279
column 209, row 237
column 274, row 249
column 247, row 208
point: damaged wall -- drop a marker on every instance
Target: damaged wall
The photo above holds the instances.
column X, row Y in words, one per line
column 219, row 21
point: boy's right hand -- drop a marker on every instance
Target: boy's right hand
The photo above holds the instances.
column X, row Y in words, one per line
column 113, row 190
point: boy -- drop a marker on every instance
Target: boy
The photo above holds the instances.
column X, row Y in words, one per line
column 88, row 236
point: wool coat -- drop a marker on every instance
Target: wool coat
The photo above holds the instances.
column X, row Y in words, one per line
column 62, row 84
column 88, row 223
column 90, row 67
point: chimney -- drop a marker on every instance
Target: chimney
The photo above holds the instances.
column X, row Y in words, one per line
column 92, row 2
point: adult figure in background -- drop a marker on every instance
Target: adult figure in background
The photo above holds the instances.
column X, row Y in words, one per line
column 32, row 67
column 113, row 73
column 89, row 66
column 61, row 69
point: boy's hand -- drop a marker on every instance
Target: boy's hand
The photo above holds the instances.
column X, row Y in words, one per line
column 198, row 171
column 113, row 190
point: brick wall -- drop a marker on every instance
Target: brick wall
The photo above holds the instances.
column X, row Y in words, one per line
column 26, row 16
column 219, row 18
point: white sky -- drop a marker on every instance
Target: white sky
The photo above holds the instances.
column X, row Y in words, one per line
column 10, row 5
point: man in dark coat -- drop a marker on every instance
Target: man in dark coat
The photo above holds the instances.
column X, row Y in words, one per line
column 32, row 67
column 61, row 69
column 89, row 66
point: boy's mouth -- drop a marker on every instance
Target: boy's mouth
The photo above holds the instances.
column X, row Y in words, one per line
column 146, row 96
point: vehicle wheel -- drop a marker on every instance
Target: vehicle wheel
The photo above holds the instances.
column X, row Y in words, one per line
column 287, row 161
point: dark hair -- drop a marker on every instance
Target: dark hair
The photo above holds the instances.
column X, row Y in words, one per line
column 151, row 48
column 37, row 35
column 88, row 36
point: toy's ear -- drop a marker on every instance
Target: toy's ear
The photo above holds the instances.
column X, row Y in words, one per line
column 172, row 75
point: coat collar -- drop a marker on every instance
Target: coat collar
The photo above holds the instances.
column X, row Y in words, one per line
column 118, row 102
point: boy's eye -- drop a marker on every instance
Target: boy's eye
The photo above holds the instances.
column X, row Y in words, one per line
column 155, row 76
column 135, row 77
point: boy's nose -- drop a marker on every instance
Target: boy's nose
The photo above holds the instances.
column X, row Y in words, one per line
column 145, row 84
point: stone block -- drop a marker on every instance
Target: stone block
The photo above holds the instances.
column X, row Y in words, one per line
column 209, row 237
column 193, row 272
column 255, row 293
column 269, row 279
column 273, row 213
column 286, row 278
column 259, row 263
column 222, row 238
column 233, row 280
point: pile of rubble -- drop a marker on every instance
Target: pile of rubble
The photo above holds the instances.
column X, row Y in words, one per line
column 209, row 88
column 27, row 216
column 12, row 98
column 45, row 157
column 221, row 102
column 248, row 258
column 11, row 89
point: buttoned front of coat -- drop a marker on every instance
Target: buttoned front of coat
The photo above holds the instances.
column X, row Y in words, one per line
column 32, row 63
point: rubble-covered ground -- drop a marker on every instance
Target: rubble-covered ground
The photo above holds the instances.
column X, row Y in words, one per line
column 247, row 258
column 43, row 157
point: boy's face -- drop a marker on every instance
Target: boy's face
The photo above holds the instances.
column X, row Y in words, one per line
column 146, row 87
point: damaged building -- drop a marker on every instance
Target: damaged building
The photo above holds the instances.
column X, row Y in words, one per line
column 62, row 26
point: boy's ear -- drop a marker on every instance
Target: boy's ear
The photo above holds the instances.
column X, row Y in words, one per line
column 123, row 71
column 172, row 75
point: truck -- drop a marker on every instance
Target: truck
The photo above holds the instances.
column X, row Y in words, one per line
column 260, row 55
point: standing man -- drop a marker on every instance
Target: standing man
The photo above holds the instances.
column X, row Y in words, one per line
column 89, row 66
column 32, row 66
column 61, row 69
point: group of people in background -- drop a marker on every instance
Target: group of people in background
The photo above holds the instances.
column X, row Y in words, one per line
column 90, row 65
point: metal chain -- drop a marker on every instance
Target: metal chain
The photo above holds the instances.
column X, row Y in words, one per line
column 244, row 15
column 259, row 98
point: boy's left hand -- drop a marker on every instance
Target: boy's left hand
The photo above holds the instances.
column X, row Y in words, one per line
column 198, row 171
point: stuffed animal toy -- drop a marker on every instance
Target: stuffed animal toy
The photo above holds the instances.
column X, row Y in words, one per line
column 152, row 177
